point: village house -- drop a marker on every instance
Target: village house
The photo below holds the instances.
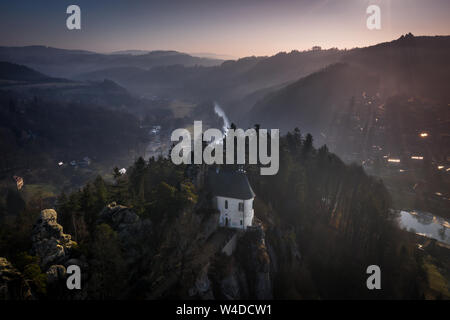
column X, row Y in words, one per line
column 233, row 197
column 19, row 182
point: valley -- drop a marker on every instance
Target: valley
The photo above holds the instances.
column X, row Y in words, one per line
column 364, row 145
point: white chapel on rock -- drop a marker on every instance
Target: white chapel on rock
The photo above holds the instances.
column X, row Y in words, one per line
column 233, row 197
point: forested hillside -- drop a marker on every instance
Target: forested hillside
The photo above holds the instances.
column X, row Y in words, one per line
column 322, row 223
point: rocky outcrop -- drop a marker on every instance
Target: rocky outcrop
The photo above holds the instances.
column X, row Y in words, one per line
column 57, row 277
column 56, row 273
column 136, row 241
column 247, row 272
column 253, row 255
column 202, row 287
column 48, row 240
column 133, row 231
column 13, row 286
column 118, row 216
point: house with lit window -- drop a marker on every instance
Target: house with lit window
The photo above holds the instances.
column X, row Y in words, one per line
column 233, row 196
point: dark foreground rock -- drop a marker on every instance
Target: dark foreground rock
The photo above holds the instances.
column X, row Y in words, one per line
column 13, row 286
column 118, row 216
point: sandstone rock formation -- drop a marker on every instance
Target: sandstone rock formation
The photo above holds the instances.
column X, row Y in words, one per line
column 49, row 242
column 56, row 273
column 118, row 216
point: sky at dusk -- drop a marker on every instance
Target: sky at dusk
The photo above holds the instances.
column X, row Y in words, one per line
column 229, row 27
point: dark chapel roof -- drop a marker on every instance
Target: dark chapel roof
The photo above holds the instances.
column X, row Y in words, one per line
column 231, row 184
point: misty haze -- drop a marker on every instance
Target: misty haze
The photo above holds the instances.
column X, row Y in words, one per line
column 86, row 177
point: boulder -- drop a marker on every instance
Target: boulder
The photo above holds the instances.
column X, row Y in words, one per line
column 56, row 273
column 118, row 216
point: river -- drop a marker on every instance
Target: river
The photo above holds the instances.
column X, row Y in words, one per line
column 426, row 224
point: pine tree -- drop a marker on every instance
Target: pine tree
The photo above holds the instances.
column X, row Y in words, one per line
column 307, row 145
column 101, row 193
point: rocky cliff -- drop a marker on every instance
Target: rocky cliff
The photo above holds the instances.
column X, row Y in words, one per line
column 55, row 250
column 182, row 257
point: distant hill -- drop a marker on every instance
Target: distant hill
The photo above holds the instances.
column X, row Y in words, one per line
column 15, row 72
column 29, row 83
column 66, row 63
column 311, row 102
column 117, row 74
column 412, row 66
column 409, row 64
column 230, row 81
column 213, row 55
column 132, row 52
